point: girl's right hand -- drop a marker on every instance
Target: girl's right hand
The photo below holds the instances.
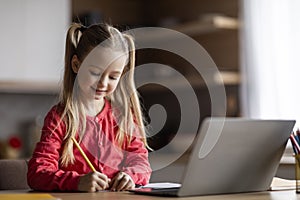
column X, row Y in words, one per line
column 92, row 182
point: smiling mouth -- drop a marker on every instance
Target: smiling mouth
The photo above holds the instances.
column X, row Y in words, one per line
column 100, row 91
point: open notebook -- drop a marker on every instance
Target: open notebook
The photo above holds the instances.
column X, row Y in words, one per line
column 231, row 155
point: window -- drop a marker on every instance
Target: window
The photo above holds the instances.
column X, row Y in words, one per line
column 271, row 59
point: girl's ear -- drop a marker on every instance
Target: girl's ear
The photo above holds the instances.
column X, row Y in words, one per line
column 75, row 64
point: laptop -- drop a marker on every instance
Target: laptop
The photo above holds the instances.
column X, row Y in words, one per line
column 231, row 155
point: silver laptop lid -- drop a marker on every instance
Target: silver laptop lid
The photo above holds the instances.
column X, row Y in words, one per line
column 235, row 155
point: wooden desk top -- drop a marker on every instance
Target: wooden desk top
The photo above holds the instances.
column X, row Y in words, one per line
column 274, row 195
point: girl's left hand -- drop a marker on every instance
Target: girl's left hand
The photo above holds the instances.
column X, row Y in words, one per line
column 121, row 181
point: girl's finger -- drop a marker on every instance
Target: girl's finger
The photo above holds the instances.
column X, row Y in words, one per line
column 101, row 181
column 95, row 187
column 102, row 176
column 129, row 185
column 125, row 183
column 122, row 183
column 115, row 182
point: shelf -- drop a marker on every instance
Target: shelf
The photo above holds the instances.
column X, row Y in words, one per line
column 227, row 78
column 29, row 87
column 209, row 23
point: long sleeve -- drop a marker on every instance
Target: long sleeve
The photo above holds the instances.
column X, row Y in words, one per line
column 99, row 144
column 136, row 162
column 44, row 172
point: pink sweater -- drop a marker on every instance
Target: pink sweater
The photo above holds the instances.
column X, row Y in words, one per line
column 45, row 171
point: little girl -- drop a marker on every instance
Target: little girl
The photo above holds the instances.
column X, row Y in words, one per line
column 100, row 109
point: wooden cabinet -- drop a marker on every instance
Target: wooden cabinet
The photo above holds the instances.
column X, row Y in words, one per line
column 214, row 24
column 32, row 44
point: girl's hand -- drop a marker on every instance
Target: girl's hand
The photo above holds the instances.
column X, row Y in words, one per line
column 92, row 182
column 121, row 181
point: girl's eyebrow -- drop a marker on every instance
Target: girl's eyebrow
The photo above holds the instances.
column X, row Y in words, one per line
column 116, row 72
column 94, row 66
column 98, row 68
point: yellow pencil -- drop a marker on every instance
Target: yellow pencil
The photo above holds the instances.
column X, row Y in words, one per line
column 83, row 155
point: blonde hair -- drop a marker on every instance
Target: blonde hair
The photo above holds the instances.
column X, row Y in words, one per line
column 81, row 41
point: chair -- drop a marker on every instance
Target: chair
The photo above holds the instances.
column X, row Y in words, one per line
column 13, row 174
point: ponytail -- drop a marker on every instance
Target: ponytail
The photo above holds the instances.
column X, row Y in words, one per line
column 70, row 113
column 73, row 37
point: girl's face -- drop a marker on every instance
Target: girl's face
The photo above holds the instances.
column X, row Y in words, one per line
column 100, row 72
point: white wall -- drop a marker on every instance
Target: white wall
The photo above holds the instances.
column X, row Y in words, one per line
column 32, row 39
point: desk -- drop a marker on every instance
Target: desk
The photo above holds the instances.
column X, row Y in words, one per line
column 273, row 195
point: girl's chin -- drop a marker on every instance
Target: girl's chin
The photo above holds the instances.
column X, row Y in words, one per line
column 98, row 97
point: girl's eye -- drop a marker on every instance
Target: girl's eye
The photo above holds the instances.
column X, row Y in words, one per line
column 113, row 77
column 94, row 73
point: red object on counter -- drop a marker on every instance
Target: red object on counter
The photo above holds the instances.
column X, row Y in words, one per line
column 15, row 142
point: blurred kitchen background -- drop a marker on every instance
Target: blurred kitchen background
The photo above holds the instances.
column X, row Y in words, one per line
column 32, row 51
column 249, row 41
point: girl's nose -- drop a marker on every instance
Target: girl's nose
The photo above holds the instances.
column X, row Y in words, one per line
column 103, row 81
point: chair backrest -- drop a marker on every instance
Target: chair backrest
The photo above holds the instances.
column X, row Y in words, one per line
column 13, row 174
